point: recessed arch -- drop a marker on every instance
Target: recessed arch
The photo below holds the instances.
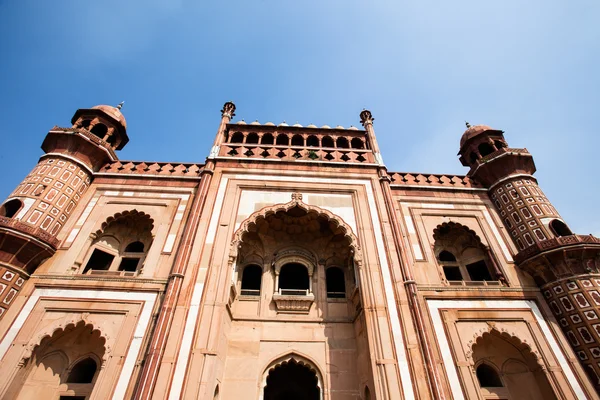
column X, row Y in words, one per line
column 252, row 138
column 485, row 149
column 237, row 137
column 299, row 359
column 327, row 141
column 267, row 138
column 255, row 218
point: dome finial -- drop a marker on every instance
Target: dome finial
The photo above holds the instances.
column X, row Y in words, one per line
column 120, row 105
column 467, row 124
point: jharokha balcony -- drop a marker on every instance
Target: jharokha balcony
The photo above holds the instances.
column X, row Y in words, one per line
column 296, row 143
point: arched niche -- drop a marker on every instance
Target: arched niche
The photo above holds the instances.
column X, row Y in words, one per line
column 61, row 361
column 297, row 360
column 520, row 371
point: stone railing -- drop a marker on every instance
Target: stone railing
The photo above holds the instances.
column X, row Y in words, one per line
column 501, row 151
column 451, row 181
column 152, row 168
column 93, row 138
column 31, row 230
column 293, row 153
column 554, row 243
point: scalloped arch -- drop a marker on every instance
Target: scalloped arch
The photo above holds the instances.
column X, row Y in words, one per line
column 140, row 215
column 297, row 358
column 510, row 337
column 59, row 328
column 454, row 225
column 284, row 207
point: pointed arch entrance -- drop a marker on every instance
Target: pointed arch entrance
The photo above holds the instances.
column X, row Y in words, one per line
column 292, row 378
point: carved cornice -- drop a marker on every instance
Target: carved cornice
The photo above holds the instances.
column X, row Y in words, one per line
column 30, row 230
column 555, row 243
column 293, row 304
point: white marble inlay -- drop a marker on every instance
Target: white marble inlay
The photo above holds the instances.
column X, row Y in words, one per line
column 134, row 345
column 437, row 205
column 417, row 251
column 499, row 237
column 111, row 193
column 27, row 203
column 436, row 305
column 409, row 224
column 72, row 235
column 169, row 243
column 186, row 343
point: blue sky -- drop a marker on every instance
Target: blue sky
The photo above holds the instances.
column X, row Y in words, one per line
column 422, row 67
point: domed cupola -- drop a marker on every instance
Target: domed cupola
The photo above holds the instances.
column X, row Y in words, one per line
column 479, row 141
column 105, row 122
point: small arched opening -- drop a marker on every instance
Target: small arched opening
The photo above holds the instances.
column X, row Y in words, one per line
column 267, row 138
column 251, row 280
column 237, row 137
column 485, row 149
column 283, row 140
column 99, row 130
column 252, row 138
column 488, row 376
column 83, row 372
column 327, row 141
column 342, row 143
column 357, row 144
column 86, row 123
column 297, row 140
column 312, row 141
column 216, row 394
column 559, row 228
column 292, row 381
column 11, row 208
column 336, row 283
column 294, row 280
column 367, row 393
column 499, row 144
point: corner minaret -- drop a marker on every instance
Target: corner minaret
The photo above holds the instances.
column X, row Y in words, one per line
column 566, row 266
column 36, row 211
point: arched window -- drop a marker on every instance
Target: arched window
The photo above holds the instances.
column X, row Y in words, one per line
column 367, row 393
column 267, row 138
column 312, row 141
column 336, row 283
column 560, row 228
column 488, row 377
column 461, row 254
column 485, row 149
column 237, row 137
column 297, row 140
column 327, row 141
column 86, row 123
column 357, row 143
column 342, row 143
column 83, row 372
column 216, row 395
column 293, row 279
column 252, row 138
column 499, row 144
column 251, row 280
column 131, row 257
column 121, row 245
column 99, row 130
column 11, row 208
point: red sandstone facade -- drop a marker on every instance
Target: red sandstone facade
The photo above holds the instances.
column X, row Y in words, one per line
column 290, row 265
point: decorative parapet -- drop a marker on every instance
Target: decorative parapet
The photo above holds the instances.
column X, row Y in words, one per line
column 153, row 168
column 450, row 181
column 30, row 230
column 554, row 243
column 295, row 304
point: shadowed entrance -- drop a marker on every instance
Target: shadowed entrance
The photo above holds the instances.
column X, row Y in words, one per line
column 291, row 381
